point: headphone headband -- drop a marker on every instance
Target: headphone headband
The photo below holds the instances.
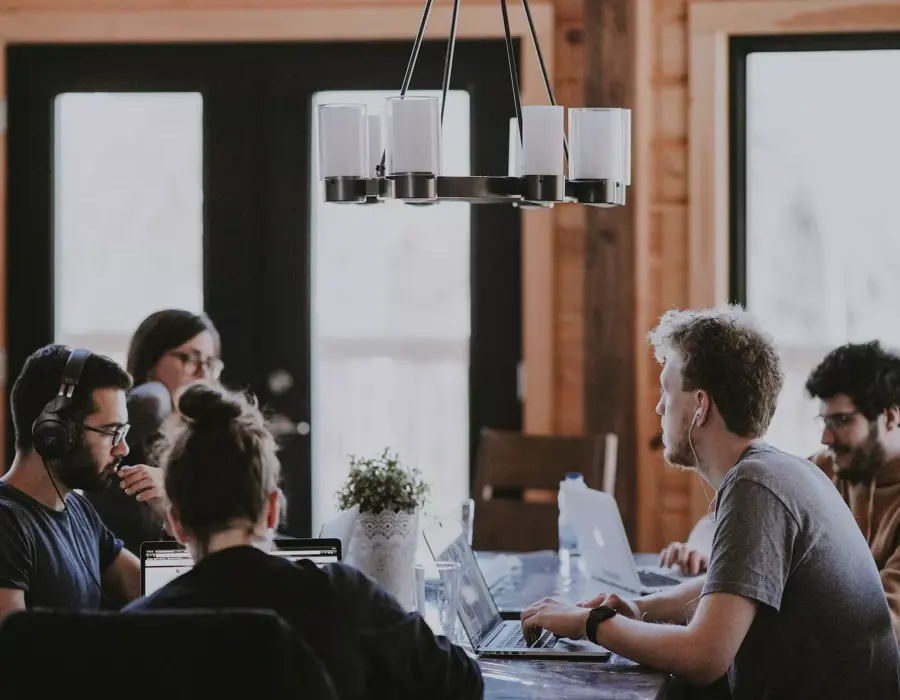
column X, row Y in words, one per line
column 72, row 372
column 54, row 433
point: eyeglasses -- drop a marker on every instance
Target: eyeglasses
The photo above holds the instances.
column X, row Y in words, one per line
column 117, row 433
column 836, row 422
column 193, row 361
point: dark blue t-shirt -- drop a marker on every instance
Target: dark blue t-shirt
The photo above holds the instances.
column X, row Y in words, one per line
column 57, row 558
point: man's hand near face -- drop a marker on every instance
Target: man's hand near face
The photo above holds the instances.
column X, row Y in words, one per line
column 145, row 483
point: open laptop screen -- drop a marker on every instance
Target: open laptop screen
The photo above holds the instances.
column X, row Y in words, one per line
column 320, row 552
column 163, row 561
column 477, row 610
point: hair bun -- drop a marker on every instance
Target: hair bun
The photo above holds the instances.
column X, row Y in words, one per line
column 208, row 405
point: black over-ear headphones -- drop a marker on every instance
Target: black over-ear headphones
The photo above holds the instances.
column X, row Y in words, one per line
column 54, row 433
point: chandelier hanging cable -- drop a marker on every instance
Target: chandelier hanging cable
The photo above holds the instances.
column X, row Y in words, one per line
column 367, row 158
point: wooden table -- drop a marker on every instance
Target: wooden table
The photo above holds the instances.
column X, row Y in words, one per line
column 572, row 680
column 534, row 576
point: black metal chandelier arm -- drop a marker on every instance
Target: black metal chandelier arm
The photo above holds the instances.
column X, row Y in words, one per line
column 540, row 57
column 448, row 59
column 417, row 45
column 540, row 54
column 513, row 70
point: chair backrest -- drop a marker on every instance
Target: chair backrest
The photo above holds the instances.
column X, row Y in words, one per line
column 164, row 654
column 518, row 479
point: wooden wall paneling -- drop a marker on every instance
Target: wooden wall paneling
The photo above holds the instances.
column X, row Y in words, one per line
column 4, row 379
column 539, row 273
column 609, row 301
column 569, row 232
column 142, row 5
column 648, row 473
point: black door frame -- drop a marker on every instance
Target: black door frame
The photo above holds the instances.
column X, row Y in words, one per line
column 496, row 339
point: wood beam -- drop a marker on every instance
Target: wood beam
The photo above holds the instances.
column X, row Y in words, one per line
column 610, row 346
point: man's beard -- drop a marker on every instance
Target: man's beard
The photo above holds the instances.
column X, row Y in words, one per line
column 867, row 459
column 678, row 453
column 80, row 471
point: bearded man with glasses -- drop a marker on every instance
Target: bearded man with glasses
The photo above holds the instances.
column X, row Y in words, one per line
column 170, row 349
column 71, row 423
column 858, row 387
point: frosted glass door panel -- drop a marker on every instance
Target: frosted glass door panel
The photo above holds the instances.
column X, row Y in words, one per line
column 390, row 328
column 128, row 213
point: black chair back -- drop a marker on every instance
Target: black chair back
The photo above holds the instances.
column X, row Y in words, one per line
column 160, row 654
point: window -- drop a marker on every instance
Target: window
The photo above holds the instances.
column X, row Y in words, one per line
column 816, row 206
column 390, row 328
column 128, row 206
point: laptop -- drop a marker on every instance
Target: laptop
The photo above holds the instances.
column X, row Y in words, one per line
column 488, row 633
column 163, row 561
column 604, row 547
column 341, row 528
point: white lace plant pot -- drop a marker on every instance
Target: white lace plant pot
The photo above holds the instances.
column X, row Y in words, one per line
column 383, row 546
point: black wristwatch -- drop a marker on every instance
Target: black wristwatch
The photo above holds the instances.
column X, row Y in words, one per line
column 595, row 617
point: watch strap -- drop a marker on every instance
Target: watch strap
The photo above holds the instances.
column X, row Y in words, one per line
column 594, row 618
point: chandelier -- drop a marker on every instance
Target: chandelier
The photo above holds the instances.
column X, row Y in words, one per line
column 367, row 158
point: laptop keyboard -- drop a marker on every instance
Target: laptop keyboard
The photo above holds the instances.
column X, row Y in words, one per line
column 516, row 640
column 654, row 580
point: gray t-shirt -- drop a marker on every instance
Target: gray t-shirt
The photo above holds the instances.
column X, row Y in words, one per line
column 786, row 539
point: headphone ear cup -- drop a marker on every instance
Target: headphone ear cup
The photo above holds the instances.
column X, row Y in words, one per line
column 53, row 435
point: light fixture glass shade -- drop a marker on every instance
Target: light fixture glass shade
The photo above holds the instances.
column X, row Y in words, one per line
column 626, row 146
column 542, row 127
column 376, row 143
column 342, row 140
column 413, row 135
column 595, row 140
column 516, row 158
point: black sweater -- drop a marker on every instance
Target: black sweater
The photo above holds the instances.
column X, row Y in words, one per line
column 130, row 520
column 371, row 647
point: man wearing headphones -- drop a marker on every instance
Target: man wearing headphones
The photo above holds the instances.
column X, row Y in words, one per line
column 70, row 418
column 792, row 605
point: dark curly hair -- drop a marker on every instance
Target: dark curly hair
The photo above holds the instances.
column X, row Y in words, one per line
column 726, row 354
column 866, row 372
column 39, row 381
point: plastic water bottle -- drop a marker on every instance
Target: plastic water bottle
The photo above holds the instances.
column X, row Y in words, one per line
column 568, row 540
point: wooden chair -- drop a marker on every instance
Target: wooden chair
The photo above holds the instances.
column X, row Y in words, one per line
column 517, row 483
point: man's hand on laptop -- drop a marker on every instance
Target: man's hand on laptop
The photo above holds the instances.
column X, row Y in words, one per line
column 562, row 619
column 691, row 561
column 623, row 606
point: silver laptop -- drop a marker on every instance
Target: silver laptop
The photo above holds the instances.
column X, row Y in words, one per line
column 488, row 633
column 604, row 547
column 341, row 528
column 163, row 561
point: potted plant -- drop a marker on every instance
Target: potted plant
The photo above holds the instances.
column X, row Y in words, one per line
column 386, row 534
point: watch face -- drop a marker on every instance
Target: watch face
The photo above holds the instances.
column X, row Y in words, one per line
column 603, row 612
column 595, row 617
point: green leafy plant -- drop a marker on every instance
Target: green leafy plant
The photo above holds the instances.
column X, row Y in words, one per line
column 382, row 483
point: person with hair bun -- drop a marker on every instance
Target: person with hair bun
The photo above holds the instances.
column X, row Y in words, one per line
column 221, row 476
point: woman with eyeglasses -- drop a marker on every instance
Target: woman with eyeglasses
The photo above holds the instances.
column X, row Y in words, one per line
column 170, row 349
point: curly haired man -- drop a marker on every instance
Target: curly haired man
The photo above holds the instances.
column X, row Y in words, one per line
column 792, row 604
